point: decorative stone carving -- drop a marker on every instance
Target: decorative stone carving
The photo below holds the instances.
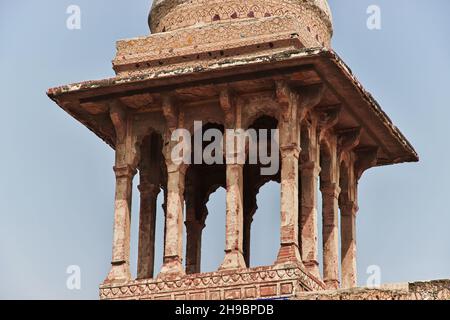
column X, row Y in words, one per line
column 171, row 15
column 231, row 62
column 263, row 282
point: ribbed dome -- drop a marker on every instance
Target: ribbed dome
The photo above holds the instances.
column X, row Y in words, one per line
column 169, row 15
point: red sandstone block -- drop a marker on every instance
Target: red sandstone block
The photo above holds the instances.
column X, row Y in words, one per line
column 163, row 297
column 180, row 297
column 198, row 296
column 250, row 293
column 233, row 294
column 269, row 291
column 287, row 288
column 214, row 295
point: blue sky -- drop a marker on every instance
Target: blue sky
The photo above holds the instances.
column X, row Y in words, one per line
column 57, row 184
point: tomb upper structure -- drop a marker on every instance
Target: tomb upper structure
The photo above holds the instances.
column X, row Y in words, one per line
column 314, row 16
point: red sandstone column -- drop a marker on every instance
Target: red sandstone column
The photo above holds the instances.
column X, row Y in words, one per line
column 348, row 244
column 289, row 250
column 147, row 223
column 194, row 231
column 349, row 208
column 173, row 245
column 150, row 176
column 309, row 171
column 310, row 175
column 330, row 196
column 234, row 258
column 248, row 219
column 289, row 129
column 120, row 271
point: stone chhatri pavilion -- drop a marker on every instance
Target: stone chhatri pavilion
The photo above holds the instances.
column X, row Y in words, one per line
column 236, row 64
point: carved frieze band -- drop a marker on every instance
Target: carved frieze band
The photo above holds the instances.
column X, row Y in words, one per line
column 151, row 289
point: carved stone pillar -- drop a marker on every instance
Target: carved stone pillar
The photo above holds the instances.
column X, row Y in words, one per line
column 309, row 170
column 348, row 244
column 120, row 271
column 194, row 230
column 310, row 174
column 234, row 258
column 173, row 242
column 125, row 170
column 290, row 151
column 330, row 212
column 150, row 180
column 196, row 214
column 329, row 187
column 176, row 171
column 147, row 223
column 348, row 203
column 248, row 219
column 251, row 185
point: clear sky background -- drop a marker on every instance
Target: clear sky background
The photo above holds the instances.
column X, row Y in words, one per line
column 57, row 183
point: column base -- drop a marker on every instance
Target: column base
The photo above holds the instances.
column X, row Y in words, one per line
column 119, row 273
column 331, row 284
column 349, row 282
column 172, row 268
column 288, row 254
column 144, row 276
column 192, row 269
column 233, row 260
column 312, row 266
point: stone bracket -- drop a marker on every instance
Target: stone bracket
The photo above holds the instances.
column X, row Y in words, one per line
column 228, row 105
column 118, row 117
column 348, row 139
column 328, row 118
column 170, row 111
column 366, row 158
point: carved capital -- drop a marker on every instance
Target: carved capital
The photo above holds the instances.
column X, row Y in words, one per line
column 348, row 139
column 287, row 100
column 331, row 189
column 194, row 225
column 176, row 168
column 118, row 115
column 228, row 105
column 149, row 189
column 349, row 208
column 328, row 117
column 283, row 92
column 126, row 171
column 170, row 111
column 310, row 168
column 292, row 150
column 309, row 97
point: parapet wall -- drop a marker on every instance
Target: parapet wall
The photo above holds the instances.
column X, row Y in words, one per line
column 431, row 290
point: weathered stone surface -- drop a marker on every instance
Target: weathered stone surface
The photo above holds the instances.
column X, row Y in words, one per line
column 432, row 290
column 263, row 282
column 167, row 15
column 229, row 64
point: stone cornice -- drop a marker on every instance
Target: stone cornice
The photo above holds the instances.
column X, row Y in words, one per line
column 323, row 61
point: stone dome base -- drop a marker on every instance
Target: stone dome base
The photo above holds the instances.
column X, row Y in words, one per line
column 170, row 15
